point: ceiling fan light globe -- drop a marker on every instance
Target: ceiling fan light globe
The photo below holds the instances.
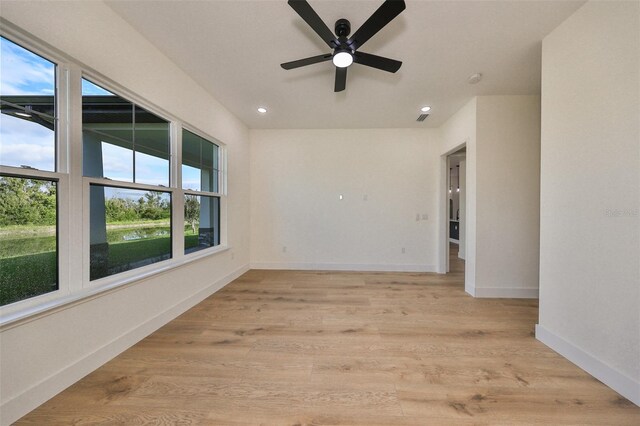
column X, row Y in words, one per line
column 342, row 59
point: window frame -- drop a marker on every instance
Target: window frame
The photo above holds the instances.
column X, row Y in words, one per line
column 221, row 194
column 73, row 189
column 87, row 181
column 60, row 174
column 136, row 102
column 131, row 273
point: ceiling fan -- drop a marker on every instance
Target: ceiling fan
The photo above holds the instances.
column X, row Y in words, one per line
column 345, row 50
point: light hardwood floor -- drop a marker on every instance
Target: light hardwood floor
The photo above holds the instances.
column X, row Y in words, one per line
column 288, row 347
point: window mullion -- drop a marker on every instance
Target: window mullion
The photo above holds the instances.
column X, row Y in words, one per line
column 71, row 115
column 133, row 140
column 205, row 193
column 125, row 184
column 177, row 199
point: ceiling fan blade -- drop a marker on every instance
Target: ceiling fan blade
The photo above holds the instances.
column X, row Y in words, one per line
column 341, row 79
column 310, row 16
column 379, row 62
column 381, row 17
column 306, row 61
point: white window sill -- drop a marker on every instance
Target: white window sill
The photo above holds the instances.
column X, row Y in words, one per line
column 101, row 287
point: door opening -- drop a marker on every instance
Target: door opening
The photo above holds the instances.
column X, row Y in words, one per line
column 455, row 219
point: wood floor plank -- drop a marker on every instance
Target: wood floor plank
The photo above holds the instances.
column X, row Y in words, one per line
column 262, row 395
column 336, row 348
column 518, row 405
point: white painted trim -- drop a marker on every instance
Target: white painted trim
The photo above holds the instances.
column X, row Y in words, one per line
column 469, row 288
column 22, row 404
column 619, row 382
column 453, row 240
column 506, row 292
column 361, row 267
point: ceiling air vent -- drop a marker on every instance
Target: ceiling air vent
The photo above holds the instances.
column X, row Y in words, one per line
column 422, row 117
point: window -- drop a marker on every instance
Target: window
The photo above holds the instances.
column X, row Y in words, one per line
column 28, row 119
column 122, row 141
column 78, row 218
column 130, row 225
column 130, row 228
column 201, row 222
column 201, row 182
column 28, row 178
column 200, row 163
column 28, row 238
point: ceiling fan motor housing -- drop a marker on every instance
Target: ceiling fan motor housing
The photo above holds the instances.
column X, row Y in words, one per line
column 343, row 28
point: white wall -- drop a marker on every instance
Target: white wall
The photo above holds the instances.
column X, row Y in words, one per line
column 298, row 175
column 41, row 357
column 590, row 193
column 502, row 136
column 508, row 196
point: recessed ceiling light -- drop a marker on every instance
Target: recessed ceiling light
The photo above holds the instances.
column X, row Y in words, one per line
column 23, row 114
column 262, row 110
column 425, row 109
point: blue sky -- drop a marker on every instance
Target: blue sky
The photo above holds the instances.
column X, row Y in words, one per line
column 23, row 72
column 91, row 89
column 25, row 143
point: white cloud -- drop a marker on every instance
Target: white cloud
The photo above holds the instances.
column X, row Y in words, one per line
column 23, row 142
column 117, row 162
column 190, row 178
column 23, row 72
column 151, row 170
column 118, row 165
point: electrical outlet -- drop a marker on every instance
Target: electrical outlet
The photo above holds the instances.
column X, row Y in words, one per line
column 417, row 217
column 425, row 216
column 233, row 255
column 284, row 249
column 365, row 197
column 403, row 250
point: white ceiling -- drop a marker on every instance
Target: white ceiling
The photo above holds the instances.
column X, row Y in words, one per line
column 234, row 50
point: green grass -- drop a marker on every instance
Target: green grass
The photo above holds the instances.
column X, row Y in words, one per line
column 146, row 222
column 28, row 264
column 25, row 246
column 27, row 230
column 27, row 276
column 124, row 256
column 190, row 238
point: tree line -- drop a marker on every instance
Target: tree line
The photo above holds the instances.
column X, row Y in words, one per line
column 33, row 202
column 152, row 206
column 27, row 201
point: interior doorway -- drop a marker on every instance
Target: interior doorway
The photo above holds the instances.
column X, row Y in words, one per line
column 455, row 218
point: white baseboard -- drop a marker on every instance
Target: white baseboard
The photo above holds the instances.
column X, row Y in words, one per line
column 33, row 397
column 360, row 267
column 470, row 289
column 505, row 292
column 619, row 382
column 501, row 292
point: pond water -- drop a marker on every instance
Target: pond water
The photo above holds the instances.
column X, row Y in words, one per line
column 122, row 235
